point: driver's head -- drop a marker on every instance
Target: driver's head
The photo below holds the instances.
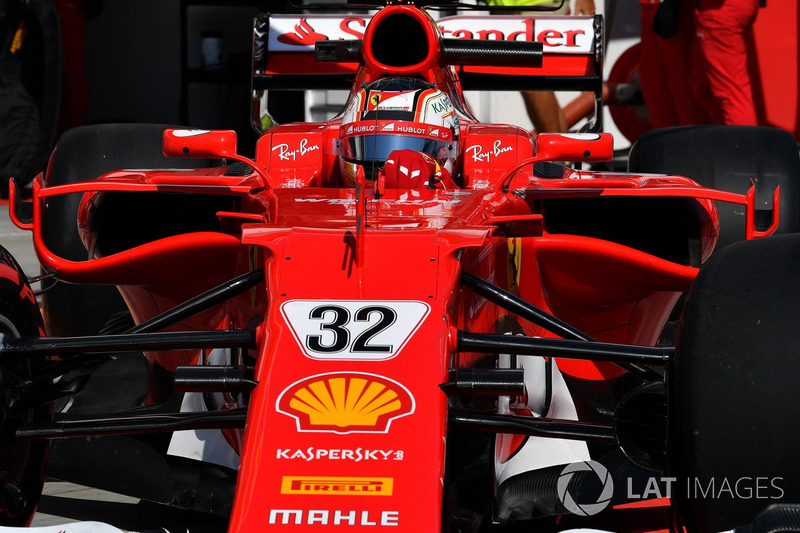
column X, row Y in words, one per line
column 397, row 114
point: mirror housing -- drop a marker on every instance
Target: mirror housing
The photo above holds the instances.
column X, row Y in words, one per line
column 210, row 144
column 574, row 147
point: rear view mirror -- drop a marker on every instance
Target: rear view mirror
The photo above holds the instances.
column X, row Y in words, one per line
column 199, row 143
column 574, row 147
column 571, row 147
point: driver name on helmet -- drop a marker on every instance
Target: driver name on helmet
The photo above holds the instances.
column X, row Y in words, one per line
column 397, row 114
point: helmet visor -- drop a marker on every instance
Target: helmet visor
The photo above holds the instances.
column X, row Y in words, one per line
column 369, row 143
column 376, row 148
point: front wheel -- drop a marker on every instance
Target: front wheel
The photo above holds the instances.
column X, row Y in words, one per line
column 735, row 415
column 22, row 463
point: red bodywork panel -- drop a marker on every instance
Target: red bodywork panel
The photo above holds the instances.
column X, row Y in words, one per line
column 416, row 244
column 389, row 468
column 357, row 315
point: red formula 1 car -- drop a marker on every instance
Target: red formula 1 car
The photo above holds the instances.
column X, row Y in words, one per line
column 404, row 318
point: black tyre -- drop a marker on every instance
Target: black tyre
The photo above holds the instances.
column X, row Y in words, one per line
column 728, row 158
column 735, row 415
column 85, row 153
column 22, row 463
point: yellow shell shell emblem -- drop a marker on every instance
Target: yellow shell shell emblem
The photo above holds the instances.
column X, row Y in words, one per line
column 345, row 402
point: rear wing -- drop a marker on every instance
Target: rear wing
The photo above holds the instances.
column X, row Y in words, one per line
column 285, row 56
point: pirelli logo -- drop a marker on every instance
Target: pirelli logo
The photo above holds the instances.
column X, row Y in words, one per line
column 344, row 486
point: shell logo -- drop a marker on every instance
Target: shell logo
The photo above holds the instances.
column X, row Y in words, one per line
column 345, row 402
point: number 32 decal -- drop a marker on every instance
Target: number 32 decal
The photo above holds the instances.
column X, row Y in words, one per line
column 356, row 330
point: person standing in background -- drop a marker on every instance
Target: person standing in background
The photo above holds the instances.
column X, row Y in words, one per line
column 718, row 72
column 667, row 30
column 694, row 63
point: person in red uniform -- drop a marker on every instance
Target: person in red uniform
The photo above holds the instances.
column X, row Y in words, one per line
column 694, row 64
column 718, row 71
column 663, row 66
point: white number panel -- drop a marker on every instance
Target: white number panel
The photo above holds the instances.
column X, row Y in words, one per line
column 353, row 330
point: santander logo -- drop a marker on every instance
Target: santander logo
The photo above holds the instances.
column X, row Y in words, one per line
column 560, row 35
column 293, row 33
column 303, row 34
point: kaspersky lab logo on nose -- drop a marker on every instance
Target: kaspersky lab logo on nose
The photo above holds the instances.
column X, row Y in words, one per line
column 572, row 497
